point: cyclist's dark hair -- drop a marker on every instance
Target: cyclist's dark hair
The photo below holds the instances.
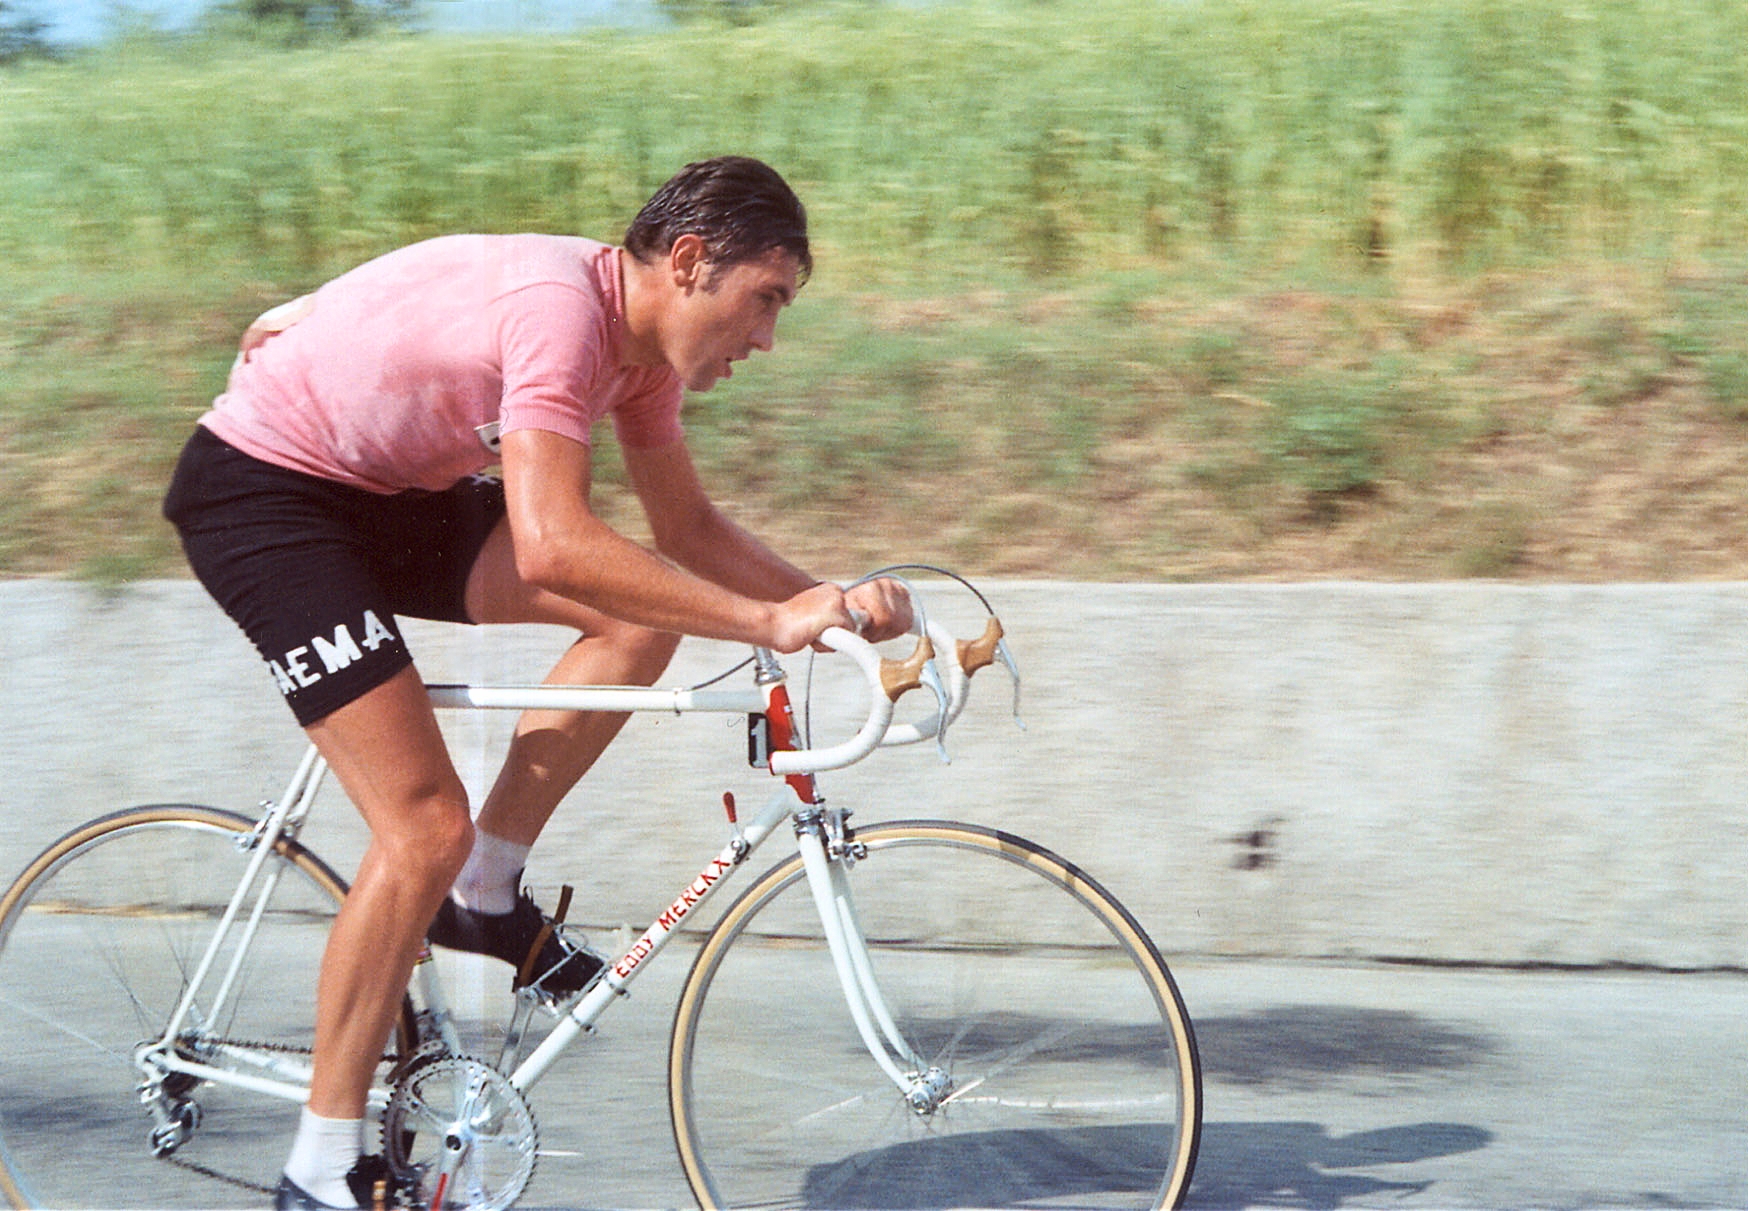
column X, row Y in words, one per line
column 741, row 209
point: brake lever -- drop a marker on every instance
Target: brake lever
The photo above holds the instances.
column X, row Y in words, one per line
column 899, row 677
column 931, row 677
column 1007, row 658
column 988, row 648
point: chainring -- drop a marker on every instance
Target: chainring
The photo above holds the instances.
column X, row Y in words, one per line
column 459, row 1132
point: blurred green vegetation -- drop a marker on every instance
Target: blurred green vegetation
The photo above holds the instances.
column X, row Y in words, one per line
column 1055, row 243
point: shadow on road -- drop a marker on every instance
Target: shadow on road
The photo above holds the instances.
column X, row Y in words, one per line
column 1299, row 1164
column 996, row 1168
column 1303, row 1046
column 1242, row 1164
column 1282, row 1164
column 1296, row 1164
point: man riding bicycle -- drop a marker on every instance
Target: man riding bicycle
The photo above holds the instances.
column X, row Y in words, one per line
column 335, row 485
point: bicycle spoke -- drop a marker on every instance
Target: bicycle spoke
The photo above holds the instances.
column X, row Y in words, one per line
column 129, row 904
column 1069, row 1070
column 55, row 1025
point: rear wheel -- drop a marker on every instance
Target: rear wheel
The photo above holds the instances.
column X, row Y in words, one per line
column 1060, row 1062
column 99, row 938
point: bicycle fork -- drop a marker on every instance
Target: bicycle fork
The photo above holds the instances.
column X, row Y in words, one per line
column 827, row 853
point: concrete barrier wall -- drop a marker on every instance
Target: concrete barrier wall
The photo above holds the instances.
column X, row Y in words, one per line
column 1452, row 773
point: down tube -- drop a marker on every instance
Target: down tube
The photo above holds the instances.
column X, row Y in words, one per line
column 622, row 970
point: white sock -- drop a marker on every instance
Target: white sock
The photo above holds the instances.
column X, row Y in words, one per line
column 487, row 882
column 323, row 1153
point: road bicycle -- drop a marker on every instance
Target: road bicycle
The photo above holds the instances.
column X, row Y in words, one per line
column 914, row 1013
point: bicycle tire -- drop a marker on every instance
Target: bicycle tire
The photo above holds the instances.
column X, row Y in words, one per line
column 98, row 937
column 1076, row 1077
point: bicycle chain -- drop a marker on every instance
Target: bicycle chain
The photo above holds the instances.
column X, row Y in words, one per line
column 243, row 1183
column 283, row 1048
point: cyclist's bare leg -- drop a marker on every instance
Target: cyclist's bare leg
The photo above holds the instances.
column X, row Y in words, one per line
column 552, row 749
column 387, row 752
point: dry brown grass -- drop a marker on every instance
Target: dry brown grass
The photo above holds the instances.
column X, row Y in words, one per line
column 1554, row 425
column 1525, row 427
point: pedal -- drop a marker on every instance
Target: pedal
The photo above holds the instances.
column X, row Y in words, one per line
column 525, row 974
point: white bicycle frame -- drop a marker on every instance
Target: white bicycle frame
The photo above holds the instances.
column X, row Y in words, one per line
column 818, row 834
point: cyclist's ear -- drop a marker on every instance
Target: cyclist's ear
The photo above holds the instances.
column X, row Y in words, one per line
column 689, row 261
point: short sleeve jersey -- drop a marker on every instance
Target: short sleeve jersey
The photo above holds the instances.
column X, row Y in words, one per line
column 405, row 372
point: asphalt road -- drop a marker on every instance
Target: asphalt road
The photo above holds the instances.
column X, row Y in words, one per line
column 1326, row 1086
column 1337, row 1086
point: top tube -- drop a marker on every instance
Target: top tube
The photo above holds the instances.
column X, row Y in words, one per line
column 594, row 698
column 748, row 700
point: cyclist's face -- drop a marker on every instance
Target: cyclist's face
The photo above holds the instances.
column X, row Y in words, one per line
column 729, row 311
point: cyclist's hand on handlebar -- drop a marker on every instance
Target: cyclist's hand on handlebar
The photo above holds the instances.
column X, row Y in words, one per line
column 882, row 608
column 799, row 621
column 876, row 610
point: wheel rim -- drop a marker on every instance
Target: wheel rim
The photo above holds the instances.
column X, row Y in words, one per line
column 94, row 953
column 1071, row 1006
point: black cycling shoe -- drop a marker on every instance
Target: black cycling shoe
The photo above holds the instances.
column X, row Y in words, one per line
column 559, row 969
column 369, row 1179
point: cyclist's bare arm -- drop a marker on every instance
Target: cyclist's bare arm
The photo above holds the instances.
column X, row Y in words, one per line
column 689, row 529
column 562, row 547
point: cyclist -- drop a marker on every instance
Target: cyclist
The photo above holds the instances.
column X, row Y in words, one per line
column 335, row 485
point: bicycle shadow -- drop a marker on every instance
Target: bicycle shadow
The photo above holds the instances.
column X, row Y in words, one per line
column 1299, row 1164
column 993, row 1168
column 1307, row 1046
column 1241, row 1164
column 1281, row 1164
column 1310, row 1047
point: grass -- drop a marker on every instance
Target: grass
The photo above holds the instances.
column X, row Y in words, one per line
column 1113, row 289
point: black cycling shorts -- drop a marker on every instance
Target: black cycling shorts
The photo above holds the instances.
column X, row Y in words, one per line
column 316, row 572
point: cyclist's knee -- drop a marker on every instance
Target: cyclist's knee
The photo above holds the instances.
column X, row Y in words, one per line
column 643, row 653
column 432, row 834
column 451, row 839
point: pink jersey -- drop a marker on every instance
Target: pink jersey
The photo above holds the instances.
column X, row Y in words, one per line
column 404, row 372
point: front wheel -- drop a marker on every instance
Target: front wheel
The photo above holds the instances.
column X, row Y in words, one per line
column 1071, row 1067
